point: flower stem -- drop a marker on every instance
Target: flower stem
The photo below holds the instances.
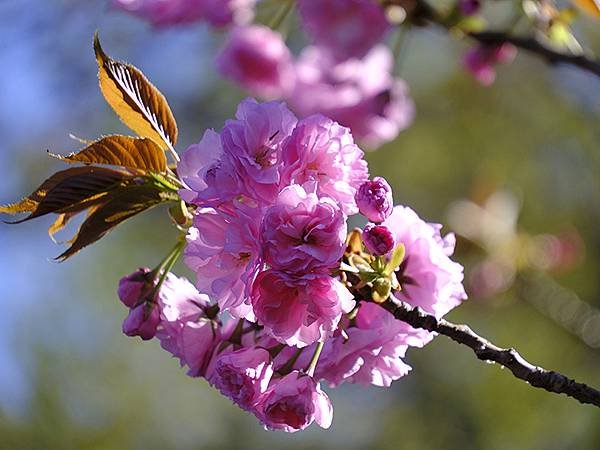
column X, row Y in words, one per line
column 310, row 370
column 280, row 15
column 236, row 336
column 289, row 365
column 167, row 264
column 275, row 350
column 400, row 46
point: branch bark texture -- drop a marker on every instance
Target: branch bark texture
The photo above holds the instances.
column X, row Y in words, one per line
column 536, row 376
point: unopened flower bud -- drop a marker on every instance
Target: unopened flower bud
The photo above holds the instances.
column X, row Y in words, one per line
column 374, row 199
column 469, row 7
column 378, row 239
column 481, row 60
column 142, row 321
column 134, row 287
column 382, row 287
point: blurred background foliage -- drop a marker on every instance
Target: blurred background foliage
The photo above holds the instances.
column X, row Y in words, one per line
column 70, row 380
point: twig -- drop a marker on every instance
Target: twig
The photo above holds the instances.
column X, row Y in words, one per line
column 534, row 46
column 484, row 350
column 425, row 14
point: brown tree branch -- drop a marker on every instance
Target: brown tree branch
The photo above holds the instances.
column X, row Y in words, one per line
column 532, row 45
column 425, row 14
column 486, row 351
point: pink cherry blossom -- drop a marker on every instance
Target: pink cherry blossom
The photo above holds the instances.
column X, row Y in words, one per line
column 374, row 199
column 162, row 13
column 224, row 12
column 299, row 311
column 302, row 233
column 347, row 28
column 242, row 375
column 293, row 402
column 378, row 239
column 257, row 58
column 253, row 142
column 372, row 350
column 429, row 278
column 360, row 94
column 180, row 300
column 481, row 61
column 323, row 152
column 243, row 161
column 209, row 178
column 184, row 329
column 222, row 250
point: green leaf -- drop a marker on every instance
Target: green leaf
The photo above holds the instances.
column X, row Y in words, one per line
column 395, row 260
column 368, row 277
column 119, row 206
column 560, row 36
column 382, row 287
column 472, row 24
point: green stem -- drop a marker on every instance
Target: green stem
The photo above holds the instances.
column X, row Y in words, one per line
column 167, row 182
column 281, row 14
column 400, row 46
column 310, row 370
column 173, row 179
column 167, row 264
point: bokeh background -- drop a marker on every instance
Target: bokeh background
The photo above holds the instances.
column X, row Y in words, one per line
column 70, row 380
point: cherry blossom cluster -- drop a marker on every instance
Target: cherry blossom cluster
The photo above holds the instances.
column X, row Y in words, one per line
column 345, row 73
column 285, row 296
column 347, row 70
column 163, row 13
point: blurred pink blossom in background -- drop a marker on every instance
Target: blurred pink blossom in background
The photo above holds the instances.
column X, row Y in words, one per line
column 258, row 59
column 163, row 13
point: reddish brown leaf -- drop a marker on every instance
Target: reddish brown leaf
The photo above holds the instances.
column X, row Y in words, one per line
column 141, row 154
column 69, row 190
column 136, row 101
column 118, row 207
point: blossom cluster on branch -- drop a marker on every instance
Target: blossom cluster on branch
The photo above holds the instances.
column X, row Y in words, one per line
column 286, row 297
column 347, row 71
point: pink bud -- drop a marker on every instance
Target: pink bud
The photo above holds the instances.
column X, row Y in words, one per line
column 469, row 7
column 142, row 321
column 134, row 287
column 378, row 239
column 374, row 199
column 481, row 60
